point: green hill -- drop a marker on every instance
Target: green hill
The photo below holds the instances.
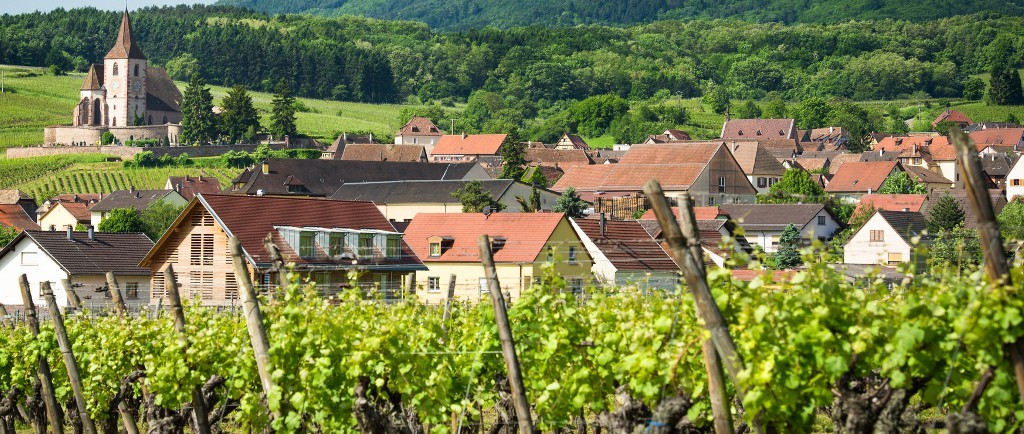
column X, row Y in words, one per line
column 465, row 14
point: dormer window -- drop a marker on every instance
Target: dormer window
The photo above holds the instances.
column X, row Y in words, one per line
column 306, row 242
column 336, row 244
column 365, row 244
column 435, row 249
column 440, row 244
column 393, row 247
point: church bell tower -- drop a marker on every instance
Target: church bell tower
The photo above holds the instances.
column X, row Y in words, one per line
column 124, row 78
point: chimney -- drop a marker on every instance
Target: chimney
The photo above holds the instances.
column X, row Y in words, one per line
column 464, row 135
column 71, row 233
column 603, row 224
column 131, row 189
column 92, row 233
column 881, row 152
column 371, row 137
column 831, row 130
column 200, row 178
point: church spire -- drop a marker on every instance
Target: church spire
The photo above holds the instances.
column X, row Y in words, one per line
column 125, row 47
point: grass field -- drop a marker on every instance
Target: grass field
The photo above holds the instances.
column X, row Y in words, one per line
column 34, row 99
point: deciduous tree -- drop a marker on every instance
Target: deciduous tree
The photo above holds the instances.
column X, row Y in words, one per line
column 122, row 220
column 475, row 199
column 901, row 183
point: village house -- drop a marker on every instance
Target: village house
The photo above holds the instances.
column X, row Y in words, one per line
column 400, row 201
column 706, row 170
column 887, row 238
column 763, row 224
column 84, row 258
column 756, row 129
column 718, row 233
column 891, row 202
column 17, row 210
column 959, row 194
column 1007, row 138
column 321, row 178
column 560, row 158
column 669, row 136
column 959, row 118
column 854, row 180
column 467, row 147
column 330, row 242
column 522, row 243
column 626, row 255
column 384, row 152
column 335, row 151
column 189, row 186
column 571, row 141
column 19, row 198
column 996, row 167
column 64, row 215
column 1015, row 180
column 931, row 179
column 419, row 131
column 827, row 138
column 124, row 96
column 762, row 169
column 131, row 198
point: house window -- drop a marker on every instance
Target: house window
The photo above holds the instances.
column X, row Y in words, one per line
column 821, row 220
column 131, row 291
column 572, row 254
column 435, row 249
column 775, row 241
column 365, row 244
column 576, row 285
column 306, row 244
column 917, row 160
column 28, row 258
column 762, row 182
column 336, row 243
column 721, row 184
column 394, row 246
column 202, row 249
column 433, row 284
column 484, row 289
column 322, row 279
column 711, row 200
column 895, row 258
column 1015, row 182
column 877, row 236
column 551, row 254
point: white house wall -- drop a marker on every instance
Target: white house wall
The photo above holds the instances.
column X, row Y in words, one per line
column 46, row 268
column 1016, row 176
column 861, row 250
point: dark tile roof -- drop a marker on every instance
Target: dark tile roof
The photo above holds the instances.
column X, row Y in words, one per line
column 395, row 192
column 906, row 224
column 926, row 176
column 998, row 165
column 189, row 186
column 93, row 78
column 119, row 253
column 754, row 159
column 161, row 92
column 324, row 177
column 13, row 197
column 772, row 217
column 627, row 245
column 139, row 199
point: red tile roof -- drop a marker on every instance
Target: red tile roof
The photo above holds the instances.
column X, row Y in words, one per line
column 671, row 153
column 892, row 202
column 469, row 144
column 860, row 176
column 627, row 245
column 526, row 235
column 383, row 152
column 14, row 216
column 754, row 159
column 419, row 126
column 838, row 161
column 998, row 136
column 699, row 212
column 954, row 116
column 125, row 47
column 189, row 186
column 560, row 157
column 80, row 210
column 629, row 177
column 759, row 129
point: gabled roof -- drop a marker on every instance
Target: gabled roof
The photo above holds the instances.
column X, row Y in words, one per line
column 998, row 136
column 13, row 197
column 996, row 196
column 80, row 210
column 93, row 78
column 560, row 157
column 324, row 177
column 828, row 133
column 892, row 202
column 526, row 235
column 629, row 177
column 189, row 186
column 772, row 217
column 76, row 197
column 139, row 199
column 670, row 135
column 671, row 153
column 906, row 224
column 812, row 164
column 575, row 141
column 998, row 165
column 954, row 116
column 383, row 152
column 14, row 216
column 397, row 192
column 926, row 176
column 755, row 159
column 119, row 253
column 161, row 92
column 419, row 126
column 699, row 213
column 915, row 146
column 125, row 46
column 626, row 244
column 837, row 161
column 469, row 144
column 759, row 129
column 235, row 215
column 860, row 176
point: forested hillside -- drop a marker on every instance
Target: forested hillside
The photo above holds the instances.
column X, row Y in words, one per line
column 466, row 14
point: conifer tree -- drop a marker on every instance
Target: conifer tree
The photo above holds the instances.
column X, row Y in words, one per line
column 788, row 255
column 570, row 203
column 474, row 198
column 945, row 215
column 282, row 117
column 197, row 122
column 1005, row 86
column 513, row 160
column 239, row 117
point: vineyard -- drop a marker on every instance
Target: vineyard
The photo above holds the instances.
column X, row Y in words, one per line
column 821, row 354
column 17, row 171
column 107, row 177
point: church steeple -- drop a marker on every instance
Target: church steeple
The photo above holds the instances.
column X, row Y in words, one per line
column 125, row 47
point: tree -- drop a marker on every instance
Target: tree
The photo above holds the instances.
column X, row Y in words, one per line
column 958, row 247
column 716, row 97
column 788, row 255
column 531, row 204
column 901, row 183
column 1004, row 88
column 1011, row 221
column 513, row 160
column 475, row 199
column 748, row 110
column 7, row 234
column 238, row 116
column 773, row 107
column 945, row 215
column 813, row 112
column 106, row 138
column 122, row 220
column 158, row 218
column 571, row 204
column 942, row 127
column 197, row 122
column 974, row 88
column 282, row 114
column 796, row 185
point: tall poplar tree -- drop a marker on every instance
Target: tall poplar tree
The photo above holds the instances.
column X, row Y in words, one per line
column 282, row 117
column 197, row 121
column 1005, row 86
column 239, row 118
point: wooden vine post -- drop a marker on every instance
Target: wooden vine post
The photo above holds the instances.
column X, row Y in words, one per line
column 199, row 409
column 448, row 305
column 719, row 348
column 45, row 378
column 115, row 295
column 996, row 265
column 73, row 300
column 253, row 318
column 508, row 346
column 74, row 377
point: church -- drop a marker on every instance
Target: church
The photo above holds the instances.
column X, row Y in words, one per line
column 125, row 96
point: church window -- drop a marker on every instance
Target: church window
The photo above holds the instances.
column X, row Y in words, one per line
column 115, row 122
column 115, row 69
column 136, row 70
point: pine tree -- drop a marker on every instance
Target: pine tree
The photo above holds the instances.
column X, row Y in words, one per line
column 945, row 215
column 197, row 122
column 513, row 160
column 570, row 203
column 474, row 198
column 788, row 255
column 282, row 116
column 1005, row 86
column 238, row 116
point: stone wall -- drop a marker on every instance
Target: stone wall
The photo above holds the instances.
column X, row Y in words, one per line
column 86, row 135
column 68, row 135
column 148, row 132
